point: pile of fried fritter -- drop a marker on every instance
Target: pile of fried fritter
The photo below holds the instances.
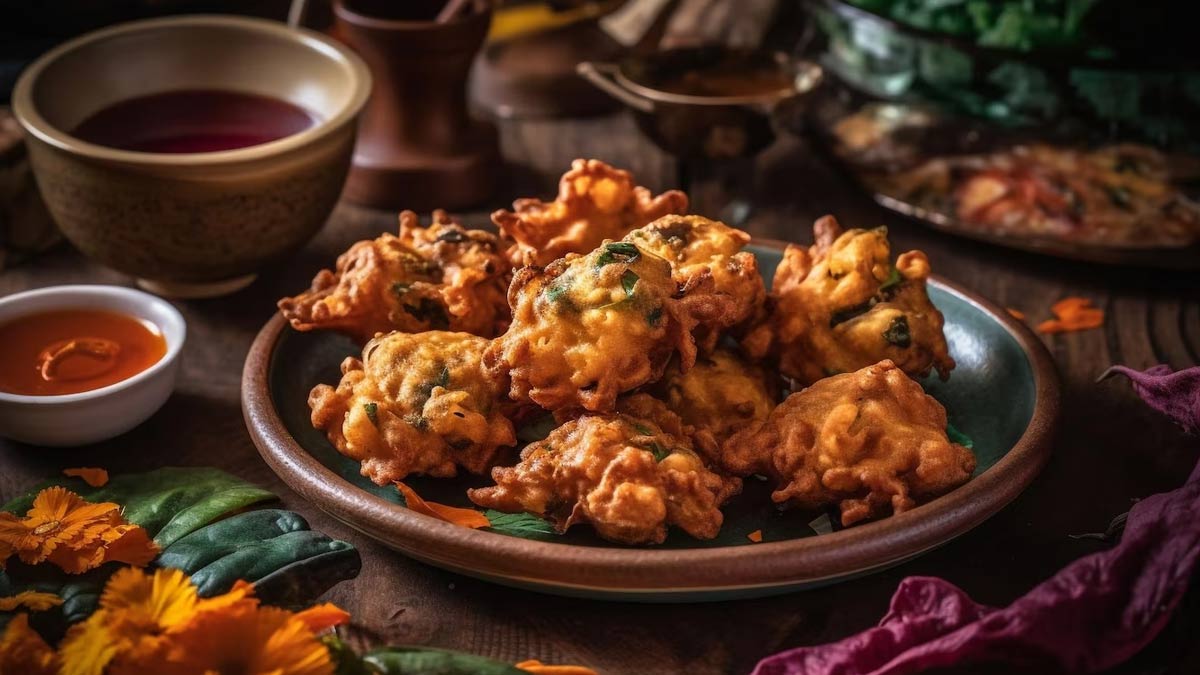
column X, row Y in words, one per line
column 649, row 335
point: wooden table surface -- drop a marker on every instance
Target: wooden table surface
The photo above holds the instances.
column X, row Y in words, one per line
column 1111, row 451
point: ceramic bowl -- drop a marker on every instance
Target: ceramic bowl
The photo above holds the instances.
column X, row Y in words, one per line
column 99, row 414
column 193, row 224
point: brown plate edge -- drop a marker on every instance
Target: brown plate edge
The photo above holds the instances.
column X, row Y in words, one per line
column 811, row 560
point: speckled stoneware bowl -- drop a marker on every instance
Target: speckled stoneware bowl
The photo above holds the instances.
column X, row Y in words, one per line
column 194, row 224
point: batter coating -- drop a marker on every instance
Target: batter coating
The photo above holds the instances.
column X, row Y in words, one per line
column 444, row 277
column 595, row 202
column 840, row 306
column 721, row 394
column 416, row 403
column 589, row 328
column 700, row 249
column 871, row 442
column 626, row 476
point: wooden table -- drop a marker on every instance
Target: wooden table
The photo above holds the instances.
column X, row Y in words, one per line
column 1112, row 450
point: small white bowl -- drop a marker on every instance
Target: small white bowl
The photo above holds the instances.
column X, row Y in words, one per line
column 99, row 414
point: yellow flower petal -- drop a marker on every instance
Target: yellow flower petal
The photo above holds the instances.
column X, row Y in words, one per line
column 88, row 647
column 38, row 602
column 90, row 475
column 165, row 600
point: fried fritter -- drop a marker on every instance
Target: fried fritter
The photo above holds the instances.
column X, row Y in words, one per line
column 871, row 441
column 444, row 277
column 699, row 248
column 840, row 306
column 721, row 394
column 626, row 475
column 589, row 328
column 595, row 202
column 416, row 403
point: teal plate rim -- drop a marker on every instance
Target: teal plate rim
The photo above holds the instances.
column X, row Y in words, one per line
column 664, row 575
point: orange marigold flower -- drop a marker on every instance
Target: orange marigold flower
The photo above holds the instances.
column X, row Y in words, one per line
column 23, row 651
column 247, row 640
column 138, row 613
column 539, row 668
column 38, row 602
column 76, row 535
column 90, row 475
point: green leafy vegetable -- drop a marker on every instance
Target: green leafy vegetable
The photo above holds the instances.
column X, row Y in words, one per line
column 894, row 279
column 372, row 410
column 617, row 251
column 654, row 316
column 628, row 282
column 660, row 453
column 524, row 525
column 897, row 333
column 959, row 437
column 430, row 311
column 426, row 661
column 556, row 291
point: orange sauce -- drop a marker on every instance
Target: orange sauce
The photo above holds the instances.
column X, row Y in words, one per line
column 74, row 350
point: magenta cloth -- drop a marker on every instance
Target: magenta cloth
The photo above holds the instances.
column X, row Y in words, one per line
column 1175, row 394
column 1093, row 614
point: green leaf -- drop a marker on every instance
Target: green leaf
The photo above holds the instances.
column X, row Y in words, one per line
column 959, row 437
column 617, row 251
column 426, row 661
column 168, row 502
column 893, row 279
column 897, row 333
column 628, row 282
column 524, row 525
column 660, row 453
column 372, row 410
column 654, row 316
column 345, row 660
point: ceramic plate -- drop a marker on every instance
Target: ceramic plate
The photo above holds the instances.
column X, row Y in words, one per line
column 1004, row 395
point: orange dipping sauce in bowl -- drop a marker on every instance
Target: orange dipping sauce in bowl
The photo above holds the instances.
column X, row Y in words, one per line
column 75, row 350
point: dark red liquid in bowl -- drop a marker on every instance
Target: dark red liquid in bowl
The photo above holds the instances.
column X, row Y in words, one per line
column 194, row 120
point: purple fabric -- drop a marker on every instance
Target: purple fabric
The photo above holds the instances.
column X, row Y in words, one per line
column 1175, row 394
column 1093, row 614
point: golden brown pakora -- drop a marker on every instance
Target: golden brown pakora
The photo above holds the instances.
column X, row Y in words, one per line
column 443, row 277
column 841, row 305
column 721, row 394
column 871, row 441
column 595, row 202
column 626, row 475
column 416, row 403
column 699, row 248
column 589, row 328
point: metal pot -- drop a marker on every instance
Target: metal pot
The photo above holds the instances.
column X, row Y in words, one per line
column 703, row 126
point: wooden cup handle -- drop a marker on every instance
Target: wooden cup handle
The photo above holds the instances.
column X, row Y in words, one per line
column 601, row 75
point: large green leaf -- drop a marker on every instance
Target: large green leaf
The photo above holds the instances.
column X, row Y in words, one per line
column 168, row 502
column 425, row 661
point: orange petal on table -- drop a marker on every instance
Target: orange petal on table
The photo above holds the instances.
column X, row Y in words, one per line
column 1016, row 313
column 323, row 617
column 90, row 475
column 755, row 536
column 451, row 514
column 1073, row 314
column 539, row 668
